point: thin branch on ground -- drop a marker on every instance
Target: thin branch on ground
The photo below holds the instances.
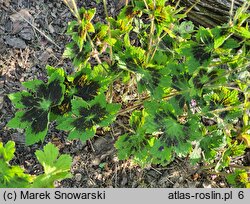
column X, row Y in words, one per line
column 37, row 29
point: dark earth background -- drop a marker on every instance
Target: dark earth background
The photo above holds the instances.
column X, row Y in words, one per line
column 32, row 34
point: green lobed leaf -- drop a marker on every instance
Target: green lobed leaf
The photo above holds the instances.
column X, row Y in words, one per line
column 11, row 176
column 160, row 153
column 34, row 109
column 47, row 157
column 88, row 116
column 17, row 122
column 244, row 32
column 32, row 136
column 195, row 155
column 55, row 167
column 7, row 151
column 212, row 143
column 156, row 81
column 32, row 85
column 231, row 43
column 134, row 144
column 16, row 98
column 239, row 179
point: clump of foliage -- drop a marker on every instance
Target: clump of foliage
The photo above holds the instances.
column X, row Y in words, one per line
column 11, row 176
column 76, row 102
column 196, row 83
column 55, row 168
column 35, row 106
column 239, row 179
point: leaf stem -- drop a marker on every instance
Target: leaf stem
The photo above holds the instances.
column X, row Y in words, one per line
column 226, row 109
column 156, row 46
column 73, row 10
column 96, row 56
column 187, row 11
column 231, row 12
column 109, row 29
column 177, row 4
column 151, row 34
column 146, row 4
column 239, row 167
column 140, row 102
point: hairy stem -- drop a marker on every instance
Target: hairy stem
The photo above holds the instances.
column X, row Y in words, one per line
column 187, row 11
column 73, row 8
column 231, row 12
column 95, row 55
column 109, row 29
column 151, row 35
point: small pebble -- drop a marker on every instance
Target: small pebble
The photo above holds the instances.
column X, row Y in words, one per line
column 176, row 185
column 15, row 42
column 27, row 34
column 96, row 161
column 78, row 177
column 124, row 181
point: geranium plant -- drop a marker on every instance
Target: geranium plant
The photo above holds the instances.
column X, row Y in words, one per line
column 192, row 85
